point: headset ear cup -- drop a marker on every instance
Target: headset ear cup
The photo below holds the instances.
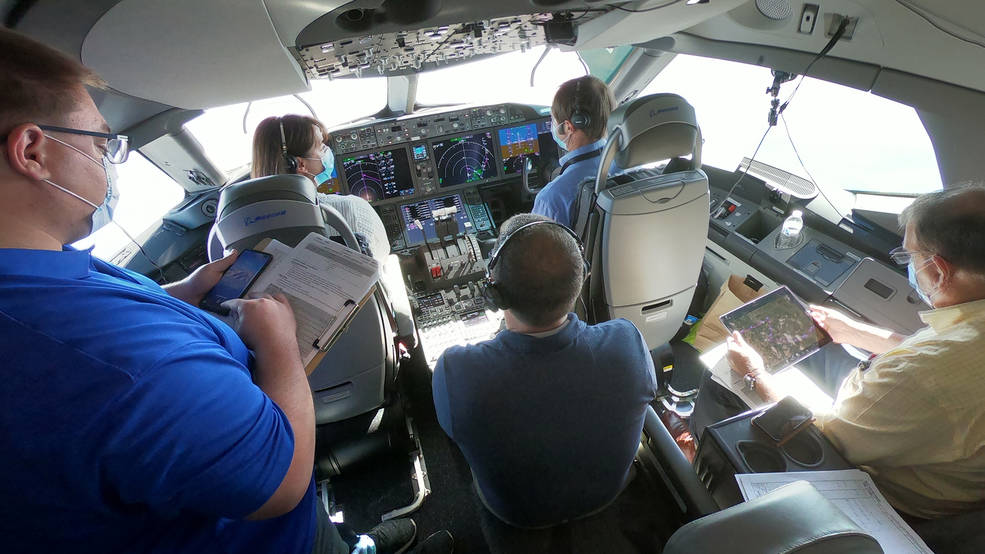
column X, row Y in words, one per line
column 494, row 298
column 580, row 120
column 291, row 163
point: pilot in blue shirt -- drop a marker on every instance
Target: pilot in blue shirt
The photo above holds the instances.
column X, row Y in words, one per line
column 579, row 115
column 548, row 413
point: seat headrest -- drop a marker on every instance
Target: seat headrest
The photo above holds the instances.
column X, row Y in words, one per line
column 655, row 127
column 274, row 187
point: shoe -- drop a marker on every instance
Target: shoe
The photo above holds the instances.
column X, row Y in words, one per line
column 437, row 543
column 394, row 536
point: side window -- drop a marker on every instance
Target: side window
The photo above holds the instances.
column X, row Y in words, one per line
column 848, row 139
column 146, row 194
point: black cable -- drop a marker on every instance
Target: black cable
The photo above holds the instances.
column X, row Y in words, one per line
column 923, row 16
column 671, row 3
column 804, row 166
column 442, row 43
column 827, row 48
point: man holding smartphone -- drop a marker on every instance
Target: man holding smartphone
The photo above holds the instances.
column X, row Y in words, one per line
column 913, row 415
column 132, row 420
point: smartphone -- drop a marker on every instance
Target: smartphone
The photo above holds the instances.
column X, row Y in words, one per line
column 784, row 419
column 236, row 280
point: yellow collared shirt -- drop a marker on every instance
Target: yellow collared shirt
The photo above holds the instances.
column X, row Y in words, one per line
column 915, row 419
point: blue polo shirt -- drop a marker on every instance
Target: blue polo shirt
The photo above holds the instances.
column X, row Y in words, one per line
column 548, row 425
column 557, row 199
column 129, row 422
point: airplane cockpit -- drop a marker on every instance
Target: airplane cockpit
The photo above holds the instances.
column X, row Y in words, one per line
column 438, row 116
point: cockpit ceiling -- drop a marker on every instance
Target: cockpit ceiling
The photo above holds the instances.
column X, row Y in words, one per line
column 408, row 51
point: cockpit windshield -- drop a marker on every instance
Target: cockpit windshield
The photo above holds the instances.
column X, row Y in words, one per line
column 221, row 130
column 503, row 78
column 846, row 138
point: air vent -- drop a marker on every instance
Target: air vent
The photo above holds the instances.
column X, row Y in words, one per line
column 781, row 180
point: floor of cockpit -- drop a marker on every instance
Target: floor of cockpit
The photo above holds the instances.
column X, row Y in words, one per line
column 638, row 524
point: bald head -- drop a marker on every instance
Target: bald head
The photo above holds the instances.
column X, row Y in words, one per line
column 951, row 224
column 540, row 272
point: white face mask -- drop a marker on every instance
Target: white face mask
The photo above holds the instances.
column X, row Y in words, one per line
column 103, row 213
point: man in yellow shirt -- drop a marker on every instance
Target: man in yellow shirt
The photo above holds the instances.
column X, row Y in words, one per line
column 914, row 416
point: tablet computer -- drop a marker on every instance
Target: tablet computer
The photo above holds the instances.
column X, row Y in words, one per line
column 779, row 327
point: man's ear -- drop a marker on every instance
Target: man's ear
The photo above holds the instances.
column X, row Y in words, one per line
column 945, row 272
column 26, row 150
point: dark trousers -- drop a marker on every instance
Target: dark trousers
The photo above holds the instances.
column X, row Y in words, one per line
column 329, row 537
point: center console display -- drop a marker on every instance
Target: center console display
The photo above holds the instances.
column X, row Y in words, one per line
column 517, row 144
column 419, row 220
column 465, row 159
column 379, row 175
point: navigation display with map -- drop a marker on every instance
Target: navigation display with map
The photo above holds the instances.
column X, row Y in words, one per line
column 465, row 159
column 779, row 327
column 379, row 175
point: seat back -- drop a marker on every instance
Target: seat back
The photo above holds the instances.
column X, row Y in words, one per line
column 792, row 518
column 645, row 230
column 356, row 374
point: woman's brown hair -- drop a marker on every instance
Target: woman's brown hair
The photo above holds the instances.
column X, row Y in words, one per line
column 299, row 136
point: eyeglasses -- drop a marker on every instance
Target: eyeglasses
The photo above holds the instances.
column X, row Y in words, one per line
column 901, row 256
column 117, row 147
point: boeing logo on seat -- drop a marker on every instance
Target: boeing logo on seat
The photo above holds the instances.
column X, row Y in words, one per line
column 249, row 220
column 654, row 113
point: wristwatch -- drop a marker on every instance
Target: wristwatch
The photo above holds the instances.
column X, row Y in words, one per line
column 750, row 381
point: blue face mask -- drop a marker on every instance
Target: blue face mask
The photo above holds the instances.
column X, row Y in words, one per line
column 557, row 138
column 328, row 166
column 911, row 272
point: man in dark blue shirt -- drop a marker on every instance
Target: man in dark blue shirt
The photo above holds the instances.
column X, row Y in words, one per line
column 579, row 115
column 549, row 412
column 132, row 421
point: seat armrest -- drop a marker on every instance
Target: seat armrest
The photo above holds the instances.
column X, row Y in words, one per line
column 792, row 518
column 675, row 470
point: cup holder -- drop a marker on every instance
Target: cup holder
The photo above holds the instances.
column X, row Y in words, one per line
column 761, row 458
column 804, row 449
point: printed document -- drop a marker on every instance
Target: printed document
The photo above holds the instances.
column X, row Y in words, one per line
column 854, row 493
column 324, row 282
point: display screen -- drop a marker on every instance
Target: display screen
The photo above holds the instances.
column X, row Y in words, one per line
column 778, row 327
column 236, row 280
column 532, row 140
column 331, row 186
column 379, row 175
column 465, row 159
column 420, row 152
column 419, row 222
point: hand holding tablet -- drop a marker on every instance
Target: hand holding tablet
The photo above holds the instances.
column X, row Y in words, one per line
column 779, row 327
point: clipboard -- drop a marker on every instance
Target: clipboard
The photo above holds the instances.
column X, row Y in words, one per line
column 331, row 333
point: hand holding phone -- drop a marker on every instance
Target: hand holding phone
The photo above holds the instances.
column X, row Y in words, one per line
column 236, row 280
column 784, row 420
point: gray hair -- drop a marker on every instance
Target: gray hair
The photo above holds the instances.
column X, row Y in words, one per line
column 951, row 224
column 540, row 273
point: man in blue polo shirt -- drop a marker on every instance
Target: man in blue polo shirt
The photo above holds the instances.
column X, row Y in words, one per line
column 579, row 115
column 132, row 421
column 549, row 412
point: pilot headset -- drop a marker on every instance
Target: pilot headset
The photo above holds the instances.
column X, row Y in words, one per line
column 579, row 119
column 495, row 300
column 290, row 162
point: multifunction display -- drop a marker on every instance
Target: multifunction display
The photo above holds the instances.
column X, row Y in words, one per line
column 379, row 175
column 465, row 159
column 419, row 217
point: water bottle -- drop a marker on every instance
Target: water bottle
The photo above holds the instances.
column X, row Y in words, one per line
column 790, row 233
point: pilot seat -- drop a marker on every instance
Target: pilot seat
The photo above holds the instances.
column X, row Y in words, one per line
column 645, row 229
